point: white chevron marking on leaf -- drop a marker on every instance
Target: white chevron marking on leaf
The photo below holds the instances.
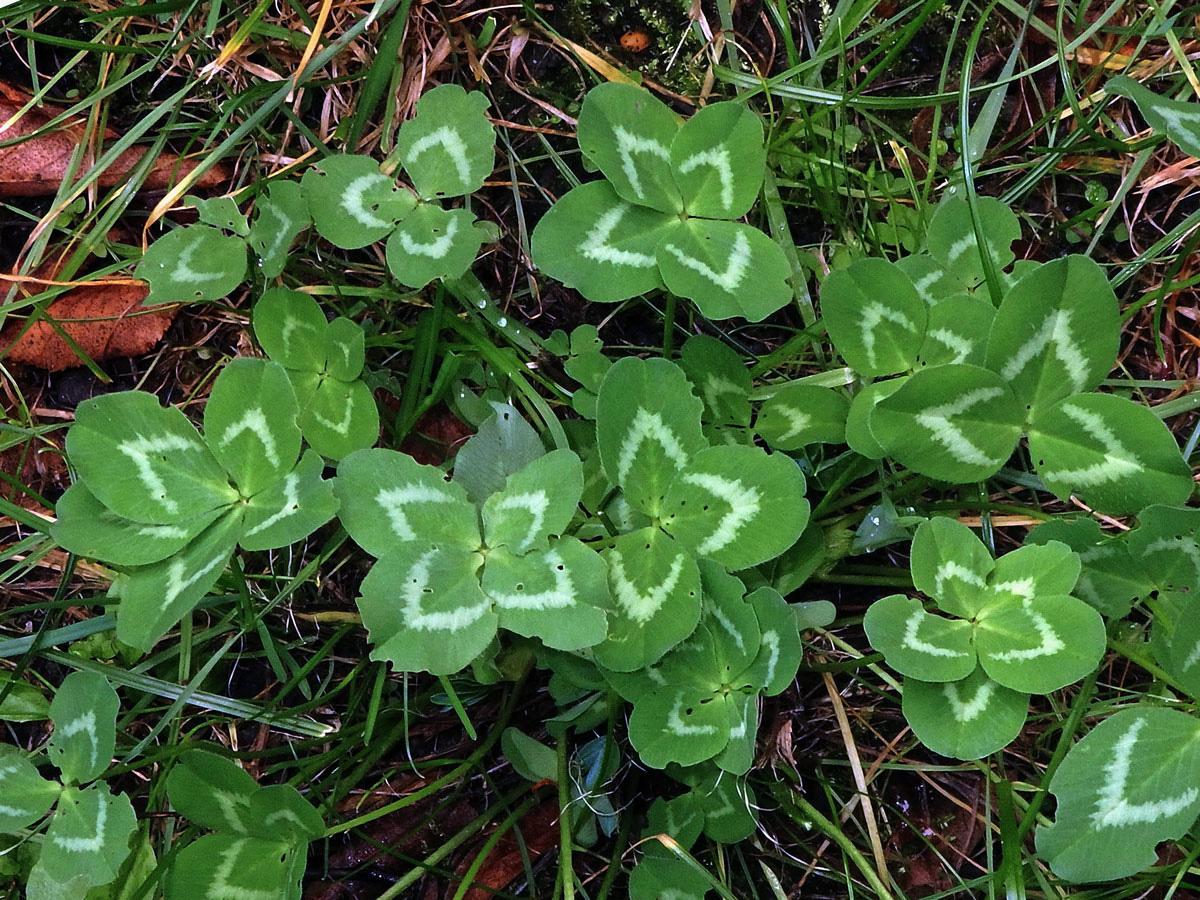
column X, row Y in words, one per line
column 959, row 345
column 1186, row 546
column 354, row 200
column 950, row 436
column 952, row 569
column 533, row 502
column 222, row 888
column 435, row 249
column 416, row 587
column 139, row 451
column 342, row 426
column 735, row 269
column 560, row 596
column 797, row 421
column 638, row 605
column 872, row 315
column 255, row 422
column 628, row 144
column 715, row 386
column 266, row 208
column 1177, row 117
column 1050, row 644
column 85, row 724
column 968, row 710
column 161, row 531
column 912, row 642
column 596, row 246
column 1119, row 461
column 1113, row 809
column 770, row 643
column 177, row 583
column 87, row 844
column 183, row 270
column 1055, row 332
column 727, row 624
column 290, row 325
column 959, row 247
column 291, row 505
column 232, row 806
column 718, row 158
column 648, row 426
column 394, row 501
column 676, row 725
column 450, row 141
column 743, row 506
column 924, row 284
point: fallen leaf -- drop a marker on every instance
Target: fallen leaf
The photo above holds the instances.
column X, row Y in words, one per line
column 37, row 167
column 106, row 320
column 507, row 860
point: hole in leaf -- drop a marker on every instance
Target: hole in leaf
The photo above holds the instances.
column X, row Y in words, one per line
column 560, row 568
column 520, row 587
column 688, row 711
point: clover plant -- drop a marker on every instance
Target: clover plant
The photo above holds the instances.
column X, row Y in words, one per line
column 167, row 507
column 973, row 381
column 449, row 571
column 700, row 702
column 261, row 833
column 447, row 149
column 662, row 215
column 688, row 500
column 324, row 362
column 718, row 805
column 1016, row 630
column 87, row 837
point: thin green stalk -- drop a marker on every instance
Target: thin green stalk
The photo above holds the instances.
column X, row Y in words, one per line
column 566, row 865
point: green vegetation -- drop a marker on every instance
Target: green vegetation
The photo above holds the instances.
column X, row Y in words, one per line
column 557, row 487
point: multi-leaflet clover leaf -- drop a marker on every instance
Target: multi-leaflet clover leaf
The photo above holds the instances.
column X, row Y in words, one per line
column 87, row 837
column 663, row 213
column 261, row 832
column 1018, row 620
column 194, row 498
column 324, row 362
column 701, row 701
column 443, row 584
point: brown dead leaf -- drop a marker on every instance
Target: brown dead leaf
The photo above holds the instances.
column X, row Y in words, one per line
column 106, row 320
column 37, row 167
column 506, row 861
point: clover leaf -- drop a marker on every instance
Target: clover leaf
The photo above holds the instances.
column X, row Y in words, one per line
column 351, row 202
column 168, row 507
column 797, row 415
column 735, row 505
column 951, row 240
column 448, row 147
column 87, row 838
column 874, row 316
column 702, row 702
column 1110, row 578
column 1178, row 120
column 261, row 832
column 195, row 262
column 1129, row 784
column 324, row 362
column 662, row 216
column 1017, row 622
column 280, row 216
column 969, row 718
column 1116, row 454
column 442, row 585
